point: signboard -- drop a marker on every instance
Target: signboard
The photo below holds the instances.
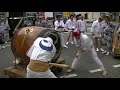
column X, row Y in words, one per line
column 66, row 14
column 58, row 13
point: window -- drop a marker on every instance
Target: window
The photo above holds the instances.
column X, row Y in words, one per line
column 15, row 14
column 86, row 16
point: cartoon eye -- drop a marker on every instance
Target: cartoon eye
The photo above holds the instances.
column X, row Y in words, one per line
column 28, row 30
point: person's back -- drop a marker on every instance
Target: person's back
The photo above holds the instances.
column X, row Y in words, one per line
column 94, row 25
column 86, row 41
column 82, row 25
column 70, row 24
column 58, row 24
column 40, row 53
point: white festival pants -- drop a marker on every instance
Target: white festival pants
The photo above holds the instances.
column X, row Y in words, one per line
column 92, row 53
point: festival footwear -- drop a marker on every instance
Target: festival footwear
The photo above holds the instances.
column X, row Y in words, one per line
column 72, row 42
column 70, row 70
column 104, row 73
column 97, row 49
column 2, row 47
column 102, row 50
column 107, row 53
column 67, row 43
column 6, row 42
column 65, row 46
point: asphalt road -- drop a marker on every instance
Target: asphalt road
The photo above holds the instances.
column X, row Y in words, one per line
column 86, row 63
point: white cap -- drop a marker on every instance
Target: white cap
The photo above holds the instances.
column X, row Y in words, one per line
column 43, row 49
column 46, row 44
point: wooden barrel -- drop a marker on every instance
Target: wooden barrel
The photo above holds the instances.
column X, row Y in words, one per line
column 24, row 38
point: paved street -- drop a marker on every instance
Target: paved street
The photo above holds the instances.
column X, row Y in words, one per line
column 86, row 63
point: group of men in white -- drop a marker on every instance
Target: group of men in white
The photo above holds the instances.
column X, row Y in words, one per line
column 98, row 30
column 102, row 30
column 4, row 32
column 70, row 25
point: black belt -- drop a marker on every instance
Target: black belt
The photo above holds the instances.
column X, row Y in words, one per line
column 71, row 29
column 61, row 28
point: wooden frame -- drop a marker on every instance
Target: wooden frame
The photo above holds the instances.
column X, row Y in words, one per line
column 20, row 72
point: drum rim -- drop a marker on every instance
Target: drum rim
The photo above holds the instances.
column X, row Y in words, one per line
column 54, row 59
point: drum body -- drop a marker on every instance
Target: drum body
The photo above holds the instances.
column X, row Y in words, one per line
column 24, row 38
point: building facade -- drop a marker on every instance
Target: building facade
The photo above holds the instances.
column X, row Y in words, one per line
column 4, row 14
column 94, row 15
column 89, row 15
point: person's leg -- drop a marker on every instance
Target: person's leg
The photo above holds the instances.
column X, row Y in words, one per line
column 62, row 41
column 97, row 60
column 108, row 47
column 30, row 74
column 100, row 40
column 69, row 34
column 2, row 46
column 96, row 43
column 110, row 44
column 75, row 62
column 2, row 41
column 72, row 42
column 104, row 41
column 50, row 74
column 46, row 74
column 7, row 36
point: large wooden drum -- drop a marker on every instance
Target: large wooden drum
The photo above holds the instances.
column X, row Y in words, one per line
column 24, row 38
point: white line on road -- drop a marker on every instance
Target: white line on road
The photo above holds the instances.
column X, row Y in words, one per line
column 115, row 66
column 96, row 70
column 69, row 76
